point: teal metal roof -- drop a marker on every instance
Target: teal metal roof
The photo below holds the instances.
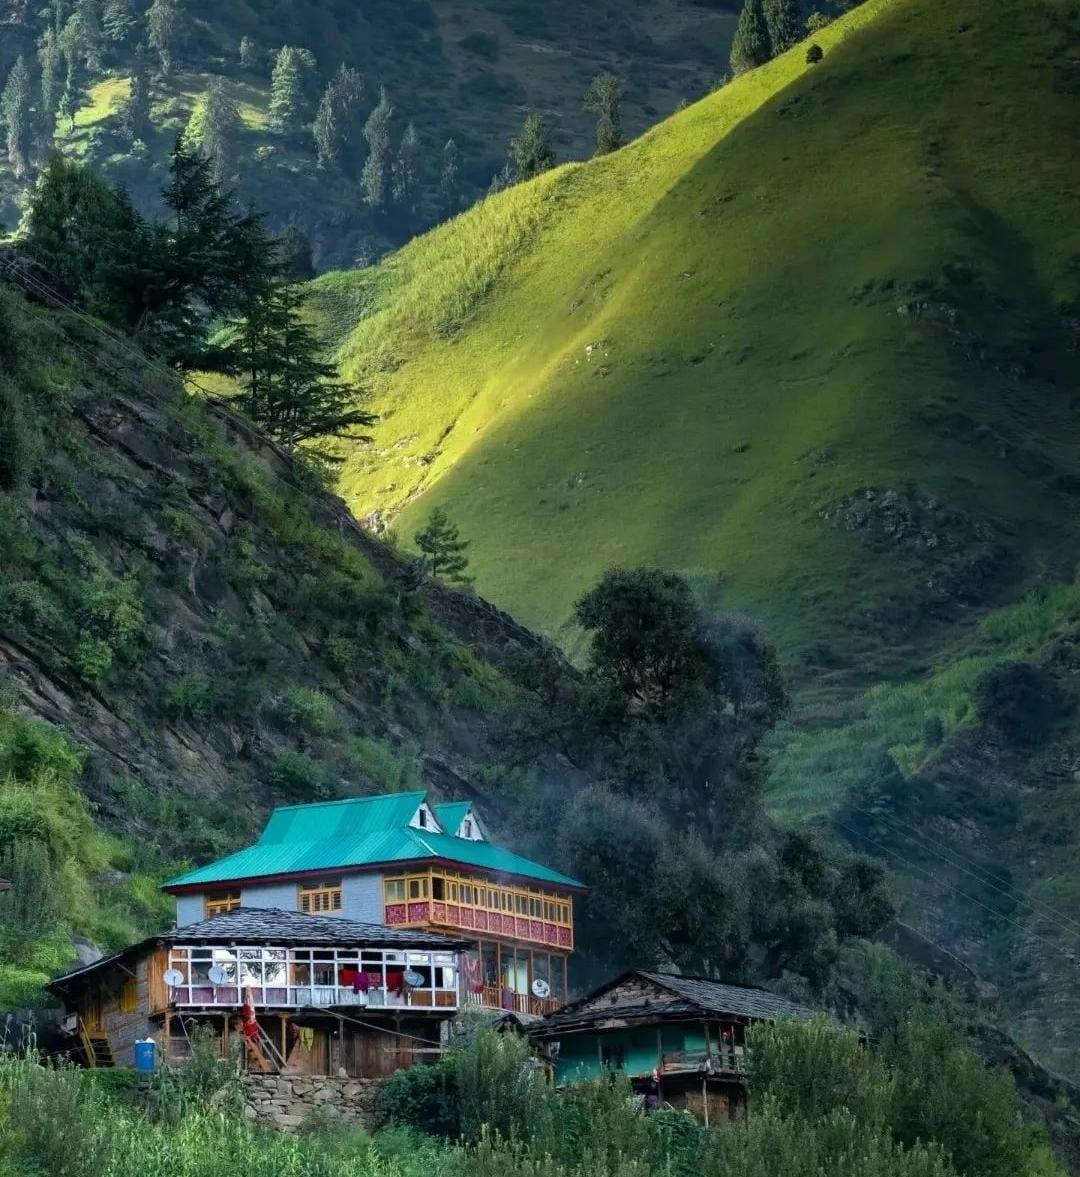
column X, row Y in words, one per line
column 340, row 834
column 451, row 814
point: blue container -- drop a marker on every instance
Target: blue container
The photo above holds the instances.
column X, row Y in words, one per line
column 145, row 1054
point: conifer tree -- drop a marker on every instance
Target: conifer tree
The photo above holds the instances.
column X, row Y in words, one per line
column 531, row 151
column 405, row 177
column 443, row 548
column 250, row 54
column 337, row 127
column 602, row 99
column 783, row 20
column 449, row 195
column 287, row 90
column 16, row 110
column 135, row 113
column 288, row 388
column 215, row 128
column 751, row 46
column 74, row 93
column 163, row 27
column 83, row 34
column 51, row 64
column 373, row 179
column 294, row 250
column 118, row 21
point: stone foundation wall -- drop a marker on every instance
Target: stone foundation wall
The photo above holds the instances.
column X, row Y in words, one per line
column 286, row 1101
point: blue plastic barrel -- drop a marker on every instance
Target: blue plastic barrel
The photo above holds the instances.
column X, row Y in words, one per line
column 145, row 1054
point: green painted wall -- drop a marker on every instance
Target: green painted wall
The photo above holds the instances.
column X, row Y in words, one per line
column 579, row 1054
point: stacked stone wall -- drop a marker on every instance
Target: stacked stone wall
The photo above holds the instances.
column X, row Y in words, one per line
column 286, row 1101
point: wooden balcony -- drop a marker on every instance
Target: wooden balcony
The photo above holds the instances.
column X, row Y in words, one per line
column 435, row 914
column 519, row 1003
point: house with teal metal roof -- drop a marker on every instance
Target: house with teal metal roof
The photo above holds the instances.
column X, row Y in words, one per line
column 402, row 861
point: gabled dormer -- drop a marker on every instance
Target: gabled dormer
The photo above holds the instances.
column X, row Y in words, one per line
column 424, row 819
column 459, row 820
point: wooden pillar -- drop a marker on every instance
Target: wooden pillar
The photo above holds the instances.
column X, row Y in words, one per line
column 283, row 1037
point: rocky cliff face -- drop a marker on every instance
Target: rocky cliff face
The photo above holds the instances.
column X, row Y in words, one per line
column 215, row 631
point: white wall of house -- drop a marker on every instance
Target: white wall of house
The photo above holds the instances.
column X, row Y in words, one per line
column 190, row 909
column 283, row 895
column 362, row 898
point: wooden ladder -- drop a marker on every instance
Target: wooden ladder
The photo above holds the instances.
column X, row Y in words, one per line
column 96, row 1048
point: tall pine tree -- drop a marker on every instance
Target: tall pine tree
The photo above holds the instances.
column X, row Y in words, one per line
column 784, row 22
column 286, row 114
column 215, row 128
column 443, row 548
column 338, row 129
column 603, row 99
column 450, row 178
column 250, row 54
column 164, row 23
column 51, row 64
column 119, row 22
column 374, row 177
column 751, row 46
column 406, row 178
column 288, row 388
column 531, row 151
column 74, row 93
column 135, row 113
column 16, row 108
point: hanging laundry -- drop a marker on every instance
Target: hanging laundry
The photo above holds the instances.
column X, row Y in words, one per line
column 474, row 978
column 250, row 1028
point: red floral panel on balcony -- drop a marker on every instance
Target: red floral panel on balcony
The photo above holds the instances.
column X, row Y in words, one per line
column 482, row 920
column 438, row 912
column 418, row 912
column 551, row 934
column 395, row 914
column 564, row 936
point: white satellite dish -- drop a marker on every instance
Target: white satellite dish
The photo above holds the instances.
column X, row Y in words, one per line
column 541, row 988
column 173, row 977
column 413, row 978
column 217, row 975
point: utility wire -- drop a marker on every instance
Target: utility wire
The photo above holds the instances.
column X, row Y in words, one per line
column 955, row 859
column 1071, row 957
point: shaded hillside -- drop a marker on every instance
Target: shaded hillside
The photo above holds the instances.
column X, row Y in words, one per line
column 466, row 69
column 811, row 340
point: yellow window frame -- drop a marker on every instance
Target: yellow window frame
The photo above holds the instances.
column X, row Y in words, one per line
column 319, row 897
column 218, row 902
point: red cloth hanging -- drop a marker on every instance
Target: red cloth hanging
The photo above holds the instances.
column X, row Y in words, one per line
column 250, row 1027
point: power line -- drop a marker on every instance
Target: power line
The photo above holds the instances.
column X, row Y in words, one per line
column 1064, row 922
column 971, row 898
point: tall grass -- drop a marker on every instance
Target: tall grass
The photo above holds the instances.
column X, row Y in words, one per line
column 56, row 1121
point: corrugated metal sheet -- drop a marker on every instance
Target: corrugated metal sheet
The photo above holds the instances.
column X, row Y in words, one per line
column 451, row 814
column 340, row 834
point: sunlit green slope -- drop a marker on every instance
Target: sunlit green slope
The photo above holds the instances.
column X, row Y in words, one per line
column 703, row 351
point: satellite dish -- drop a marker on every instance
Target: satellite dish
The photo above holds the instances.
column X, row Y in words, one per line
column 541, row 988
column 413, row 978
column 217, row 975
column 173, row 977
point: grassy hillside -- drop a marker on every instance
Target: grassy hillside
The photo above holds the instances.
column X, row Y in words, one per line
column 811, row 340
column 467, row 69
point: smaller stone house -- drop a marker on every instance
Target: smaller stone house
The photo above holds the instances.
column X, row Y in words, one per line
column 680, row 1040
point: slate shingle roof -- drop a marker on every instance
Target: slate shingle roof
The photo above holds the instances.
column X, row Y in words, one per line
column 273, row 927
column 689, row 996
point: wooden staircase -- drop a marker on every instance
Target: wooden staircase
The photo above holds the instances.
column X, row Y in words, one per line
column 262, row 1054
column 96, row 1048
